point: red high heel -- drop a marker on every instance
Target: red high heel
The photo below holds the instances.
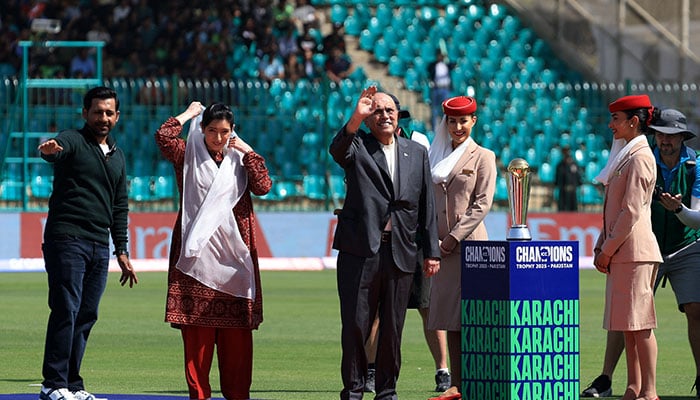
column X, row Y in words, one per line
column 450, row 394
column 455, row 396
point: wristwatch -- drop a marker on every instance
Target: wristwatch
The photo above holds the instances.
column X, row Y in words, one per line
column 679, row 209
column 121, row 252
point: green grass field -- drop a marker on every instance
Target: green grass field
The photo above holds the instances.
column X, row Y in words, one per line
column 297, row 350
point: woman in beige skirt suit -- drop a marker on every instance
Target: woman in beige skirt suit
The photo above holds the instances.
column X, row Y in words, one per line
column 627, row 250
column 464, row 175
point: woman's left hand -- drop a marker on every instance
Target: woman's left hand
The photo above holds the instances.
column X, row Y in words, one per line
column 239, row 144
column 601, row 261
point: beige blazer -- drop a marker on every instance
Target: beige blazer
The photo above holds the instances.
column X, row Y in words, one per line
column 627, row 235
column 464, row 200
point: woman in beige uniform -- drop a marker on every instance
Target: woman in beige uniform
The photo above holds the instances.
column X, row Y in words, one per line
column 627, row 250
column 464, row 175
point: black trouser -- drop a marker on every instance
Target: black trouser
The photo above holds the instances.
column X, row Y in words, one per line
column 367, row 286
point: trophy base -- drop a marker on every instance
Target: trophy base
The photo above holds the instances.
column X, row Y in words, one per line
column 518, row 232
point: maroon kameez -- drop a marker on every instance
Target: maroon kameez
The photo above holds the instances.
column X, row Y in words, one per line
column 189, row 302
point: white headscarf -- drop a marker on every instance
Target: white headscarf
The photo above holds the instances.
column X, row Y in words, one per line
column 441, row 155
column 618, row 152
column 213, row 251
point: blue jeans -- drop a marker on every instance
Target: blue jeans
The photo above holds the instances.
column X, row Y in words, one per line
column 77, row 276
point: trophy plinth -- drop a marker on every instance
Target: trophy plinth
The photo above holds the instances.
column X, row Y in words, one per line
column 520, row 232
column 518, row 198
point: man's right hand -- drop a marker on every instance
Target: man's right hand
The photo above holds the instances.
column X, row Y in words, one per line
column 363, row 109
column 49, row 147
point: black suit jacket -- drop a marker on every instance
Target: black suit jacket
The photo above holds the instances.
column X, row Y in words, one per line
column 372, row 198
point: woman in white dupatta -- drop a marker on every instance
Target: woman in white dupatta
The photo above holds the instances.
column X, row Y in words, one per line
column 214, row 294
column 464, row 178
column 627, row 250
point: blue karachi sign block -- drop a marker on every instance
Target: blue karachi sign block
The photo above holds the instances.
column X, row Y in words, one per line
column 520, row 320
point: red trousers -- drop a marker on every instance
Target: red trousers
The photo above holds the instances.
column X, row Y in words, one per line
column 234, row 351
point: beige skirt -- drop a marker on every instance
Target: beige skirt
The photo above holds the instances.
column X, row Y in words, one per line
column 446, row 295
column 629, row 297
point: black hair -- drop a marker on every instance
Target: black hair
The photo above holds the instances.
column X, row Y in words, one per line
column 217, row 111
column 102, row 93
column 646, row 117
column 655, row 115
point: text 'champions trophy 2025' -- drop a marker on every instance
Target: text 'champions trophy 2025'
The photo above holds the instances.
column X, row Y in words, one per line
column 518, row 197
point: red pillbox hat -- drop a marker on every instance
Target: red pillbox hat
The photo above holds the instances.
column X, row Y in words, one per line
column 630, row 103
column 460, row 105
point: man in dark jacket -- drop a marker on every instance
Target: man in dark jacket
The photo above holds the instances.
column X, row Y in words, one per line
column 88, row 203
column 389, row 204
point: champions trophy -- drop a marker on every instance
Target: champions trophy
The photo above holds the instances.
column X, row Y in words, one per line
column 518, row 197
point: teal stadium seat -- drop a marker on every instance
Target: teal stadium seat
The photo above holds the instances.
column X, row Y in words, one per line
column 382, row 51
column 590, row 195
column 412, row 79
column 497, row 11
column 362, row 12
column 501, row 194
column 302, row 92
column 533, row 158
column 140, row 189
column 406, row 52
column 286, row 190
column 314, row 187
column 41, row 186
column 428, row 50
column 164, row 187
column 278, row 87
column 546, row 173
column 495, row 51
column 11, row 190
column 591, row 171
column 510, row 26
column 287, row 102
column 428, row 14
column 290, row 168
column 391, row 37
column 348, row 89
column 475, row 12
column 11, row 187
column 554, row 155
column 414, row 35
column 593, row 142
column 403, row 18
column 421, row 67
column 41, row 183
column 339, row 13
column 452, row 12
column 366, row 40
column 396, row 66
column 320, row 60
column 337, row 187
column 384, row 14
column 312, row 139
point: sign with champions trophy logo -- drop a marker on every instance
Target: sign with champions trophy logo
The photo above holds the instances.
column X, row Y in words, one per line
column 520, row 310
column 518, row 198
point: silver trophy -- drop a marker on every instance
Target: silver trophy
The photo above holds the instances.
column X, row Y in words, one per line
column 518, row 197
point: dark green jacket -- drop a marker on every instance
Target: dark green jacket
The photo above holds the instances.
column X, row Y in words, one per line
column 89, row 198
column 671, row 234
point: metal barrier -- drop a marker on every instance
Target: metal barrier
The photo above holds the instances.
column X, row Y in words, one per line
column 291, row 125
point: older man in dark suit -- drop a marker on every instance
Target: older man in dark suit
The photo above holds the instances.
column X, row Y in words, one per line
column 389, row 203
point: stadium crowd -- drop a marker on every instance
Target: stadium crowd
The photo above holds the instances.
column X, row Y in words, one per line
column 193, row 39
